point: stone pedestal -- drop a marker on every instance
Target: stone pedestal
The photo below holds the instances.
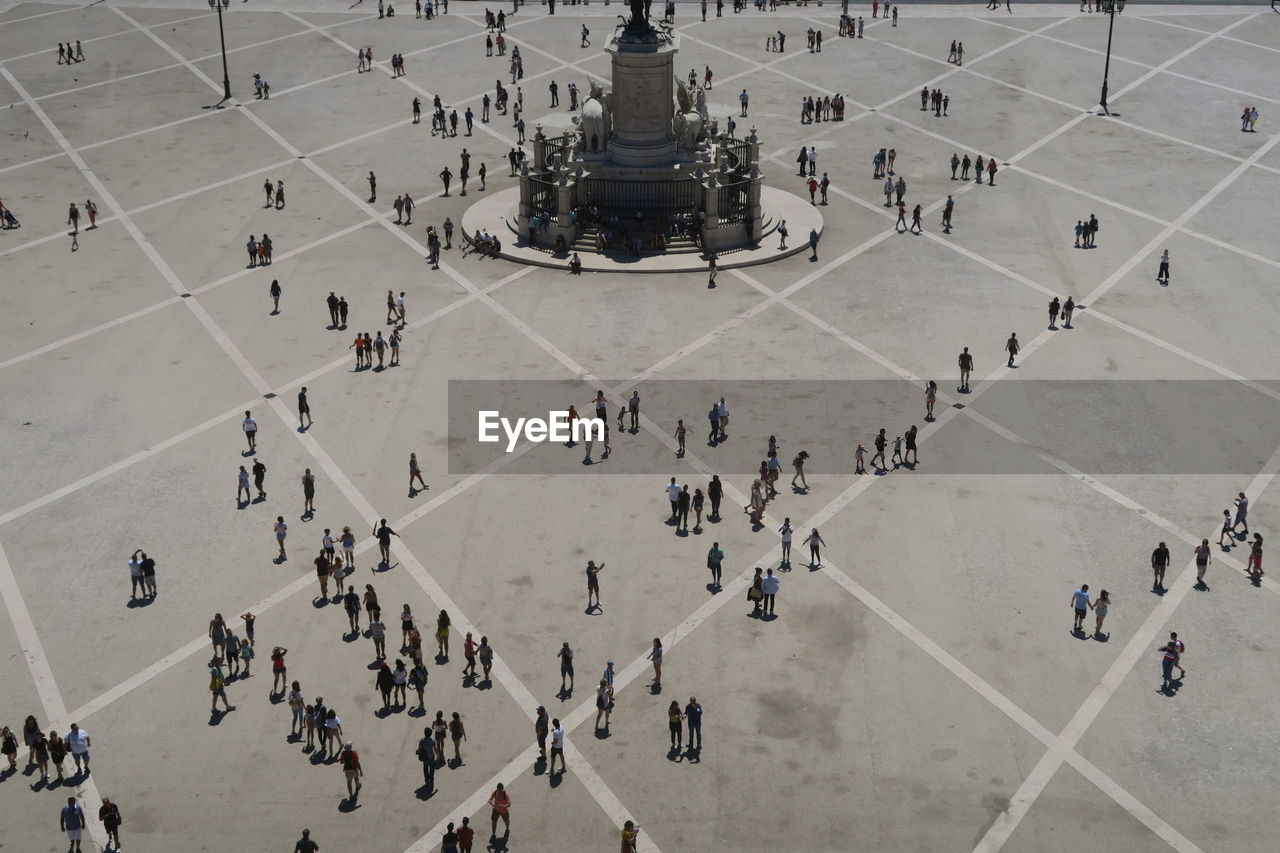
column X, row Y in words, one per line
column 642, row 106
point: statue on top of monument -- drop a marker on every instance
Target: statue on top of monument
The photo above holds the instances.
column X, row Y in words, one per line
column 639, row 22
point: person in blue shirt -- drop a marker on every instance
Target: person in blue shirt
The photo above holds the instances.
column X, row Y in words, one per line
column 693, row 716
column 72, row 823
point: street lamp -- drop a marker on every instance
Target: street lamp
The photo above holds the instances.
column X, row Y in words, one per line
column 1110, row 7
column 226, row 77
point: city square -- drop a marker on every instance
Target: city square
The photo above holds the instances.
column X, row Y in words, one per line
column 919, row 686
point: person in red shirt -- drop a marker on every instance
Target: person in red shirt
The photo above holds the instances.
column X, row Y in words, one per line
column 465, row 835
column 501, row 802
column 813, row 189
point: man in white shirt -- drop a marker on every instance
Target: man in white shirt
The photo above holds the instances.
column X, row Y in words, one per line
column 673, row 495
column 557, row 746
column 251, row 431
column 78, row 743
column 770, row 585
column 723, row 410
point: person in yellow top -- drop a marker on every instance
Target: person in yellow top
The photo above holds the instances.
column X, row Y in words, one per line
column 629, row 832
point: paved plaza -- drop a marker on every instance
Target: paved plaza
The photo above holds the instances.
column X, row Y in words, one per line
column 920, row 689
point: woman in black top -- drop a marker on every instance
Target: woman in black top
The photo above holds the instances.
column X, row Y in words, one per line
column 912, row 455
column 713, row 494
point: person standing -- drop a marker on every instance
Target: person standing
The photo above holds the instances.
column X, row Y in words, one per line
column 815, row 542
column 1080, row 602
column 1011, row 347
column 71, row 821
column 500, row 800
column 415, row 473
column 633, row 408
column 715, row 561
column 655, row 655
column 566, row 667
column 675, row 722
column 541, row 727
column 673, row 497
column 1163, row 275
column 73, row 218
column 693, row 717
column 1054, row 305
column 593, row 589
column 813, row 243
column 769, row 585
column 1159, row 563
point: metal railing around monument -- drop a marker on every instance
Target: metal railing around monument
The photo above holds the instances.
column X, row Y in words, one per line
column 542, row 196
column 682, row 195
column 731, row 197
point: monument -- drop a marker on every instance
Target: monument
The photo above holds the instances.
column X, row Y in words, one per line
column 644, row 171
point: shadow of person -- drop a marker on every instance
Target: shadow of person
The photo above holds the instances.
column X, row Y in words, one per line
column 348, row 805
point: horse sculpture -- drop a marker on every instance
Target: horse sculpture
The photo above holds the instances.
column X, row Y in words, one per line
column 595, row 120
column 687, row 124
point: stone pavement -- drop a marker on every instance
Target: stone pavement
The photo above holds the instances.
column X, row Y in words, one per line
column 918, row 691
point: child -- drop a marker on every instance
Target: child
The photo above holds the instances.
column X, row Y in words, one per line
column 858, row 456
column 246, row 655
column 896, row 459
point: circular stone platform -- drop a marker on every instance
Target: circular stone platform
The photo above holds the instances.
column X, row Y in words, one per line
column 495, row 214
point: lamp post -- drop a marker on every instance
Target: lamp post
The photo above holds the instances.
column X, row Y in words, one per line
column 226, row 77
column 1110, row 7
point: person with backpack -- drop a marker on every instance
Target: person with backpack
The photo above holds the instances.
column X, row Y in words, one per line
column 349, row 759
column 218, row 687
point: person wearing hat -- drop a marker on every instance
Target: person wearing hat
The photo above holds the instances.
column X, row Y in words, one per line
column 540, row 728
column 350, row 761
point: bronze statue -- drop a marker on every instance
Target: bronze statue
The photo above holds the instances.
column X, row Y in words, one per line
column 639, row 16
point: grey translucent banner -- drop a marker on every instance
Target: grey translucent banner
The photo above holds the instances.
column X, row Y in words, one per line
column 1098, row 427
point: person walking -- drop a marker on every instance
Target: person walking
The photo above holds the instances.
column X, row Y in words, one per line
column 1159, row 563
column 1242, row 513
column 458, row 733
column 1011, row 347
column 715, row 561
column 1204, row 557
column 281, row 531
column 71, row 821
column 1163, row 275
column 1068, row 309
column 349, row 759
column 715, row 491
column 78, row 743
column 1080, row 603
column 798, row 464
column 250, row 427
column 1168, row 660
column 500, row 800
column 109, row 817
column 1100, row 612
column 815, row 542
column 218, row 687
